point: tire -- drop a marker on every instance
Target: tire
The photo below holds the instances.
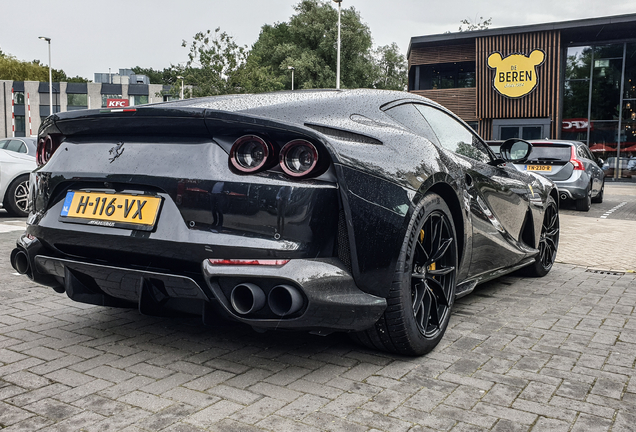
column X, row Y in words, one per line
column 548, row 242
column 599, row 196
column 423, row 288
column 16, row 201
column 584, row 204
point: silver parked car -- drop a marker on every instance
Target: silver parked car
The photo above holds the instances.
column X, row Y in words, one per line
column 570, row 165
column 17, row 160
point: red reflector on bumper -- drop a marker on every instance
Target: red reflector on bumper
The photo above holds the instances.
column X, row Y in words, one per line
column 247, row 262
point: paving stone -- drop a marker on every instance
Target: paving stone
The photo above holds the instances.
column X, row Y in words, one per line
column 145, row 401
column 258, row 410
column 234, row 394
column 551, row 425
column 26, row 398
column 520, row 354
column 192, row 397
column 213, row 414
column 511, row 414
column 586, row 423
column 276, row 423
column 301, row 407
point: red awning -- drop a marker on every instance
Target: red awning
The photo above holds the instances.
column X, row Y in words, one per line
column 631, row 148
column 603, row 148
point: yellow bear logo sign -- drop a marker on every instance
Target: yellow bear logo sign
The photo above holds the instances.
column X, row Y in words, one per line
column 516, row 75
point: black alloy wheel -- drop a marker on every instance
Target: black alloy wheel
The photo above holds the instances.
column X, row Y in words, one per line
column 548, row 241
column 17, row 198
column 433, row 274
column 423, row 290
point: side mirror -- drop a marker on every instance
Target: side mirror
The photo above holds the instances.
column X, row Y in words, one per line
column 601, row 161
column 515, row 150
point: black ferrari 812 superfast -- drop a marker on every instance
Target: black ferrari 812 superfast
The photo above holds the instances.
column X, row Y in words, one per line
column 362, row 211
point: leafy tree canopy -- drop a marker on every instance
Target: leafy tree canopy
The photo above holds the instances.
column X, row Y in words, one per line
column 17, row 70
column 308, row 43
column 476, row 24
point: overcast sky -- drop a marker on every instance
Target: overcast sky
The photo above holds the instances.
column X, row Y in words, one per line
column 92, row 36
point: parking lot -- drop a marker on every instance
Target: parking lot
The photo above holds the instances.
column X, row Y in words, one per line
column 520, row 354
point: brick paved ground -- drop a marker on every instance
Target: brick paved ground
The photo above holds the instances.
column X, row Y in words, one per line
column 550, row 354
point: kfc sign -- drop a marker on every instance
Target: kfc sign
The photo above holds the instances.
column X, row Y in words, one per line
column 116, row 103
column 575, row 125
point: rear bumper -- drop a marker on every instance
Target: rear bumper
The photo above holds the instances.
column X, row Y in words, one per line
column 330, row 299
column 576, row 187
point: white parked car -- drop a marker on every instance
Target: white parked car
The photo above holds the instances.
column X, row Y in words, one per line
column 17, row 160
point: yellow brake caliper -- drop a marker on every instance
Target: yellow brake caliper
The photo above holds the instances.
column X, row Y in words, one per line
column 432, row 267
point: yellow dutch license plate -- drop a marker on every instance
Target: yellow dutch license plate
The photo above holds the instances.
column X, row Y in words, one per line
column 538, row 168
column 115, row 210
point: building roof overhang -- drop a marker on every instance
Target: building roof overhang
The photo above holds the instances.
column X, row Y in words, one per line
column 582, row 30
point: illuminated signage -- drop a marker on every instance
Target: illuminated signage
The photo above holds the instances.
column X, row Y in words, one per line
column 516, row 75
column 116, row 103
column 576, row 125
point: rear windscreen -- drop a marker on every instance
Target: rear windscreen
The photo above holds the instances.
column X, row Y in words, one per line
column 551, row 152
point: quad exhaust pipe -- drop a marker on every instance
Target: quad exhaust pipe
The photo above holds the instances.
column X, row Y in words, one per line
column 247, row 298
column 20, row 261
column 283, row 300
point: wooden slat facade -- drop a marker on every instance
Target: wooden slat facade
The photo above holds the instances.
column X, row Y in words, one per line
column 461, row 101
column 542, row 102
column 442, row 54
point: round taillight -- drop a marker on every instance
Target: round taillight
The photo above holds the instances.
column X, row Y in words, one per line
column 48, row 148
column 39, row 155
column 249, row 153
column 298, row 158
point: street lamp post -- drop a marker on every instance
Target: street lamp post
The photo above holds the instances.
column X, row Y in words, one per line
column 292, row 69
column 338, row 60
column 181, row 78
column 48, row 39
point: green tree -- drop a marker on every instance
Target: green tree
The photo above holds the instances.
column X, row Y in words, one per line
column 391, row 68
column 471, row 25
column 214, row 62
column 17, row 70
column 13, row 69
column 167, row 76
column 308, row 42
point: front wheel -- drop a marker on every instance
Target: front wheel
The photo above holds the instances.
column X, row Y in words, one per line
column 16, row 201
column 423, row 289
column 548, row 241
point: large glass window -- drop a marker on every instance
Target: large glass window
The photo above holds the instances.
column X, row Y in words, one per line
column 444, row 76
column 593, row 102
column 18, row 98
column 20, row 126
column 105, row 98
column 606, row 89
column 138, row 99
column 77, row 100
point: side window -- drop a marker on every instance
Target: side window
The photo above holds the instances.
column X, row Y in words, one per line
column 408, row 115
column 581, row 152
column 15, row 145
column 3, row 143
column 453, row 135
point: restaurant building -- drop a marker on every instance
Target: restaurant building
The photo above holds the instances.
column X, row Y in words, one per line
column 572, row 80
